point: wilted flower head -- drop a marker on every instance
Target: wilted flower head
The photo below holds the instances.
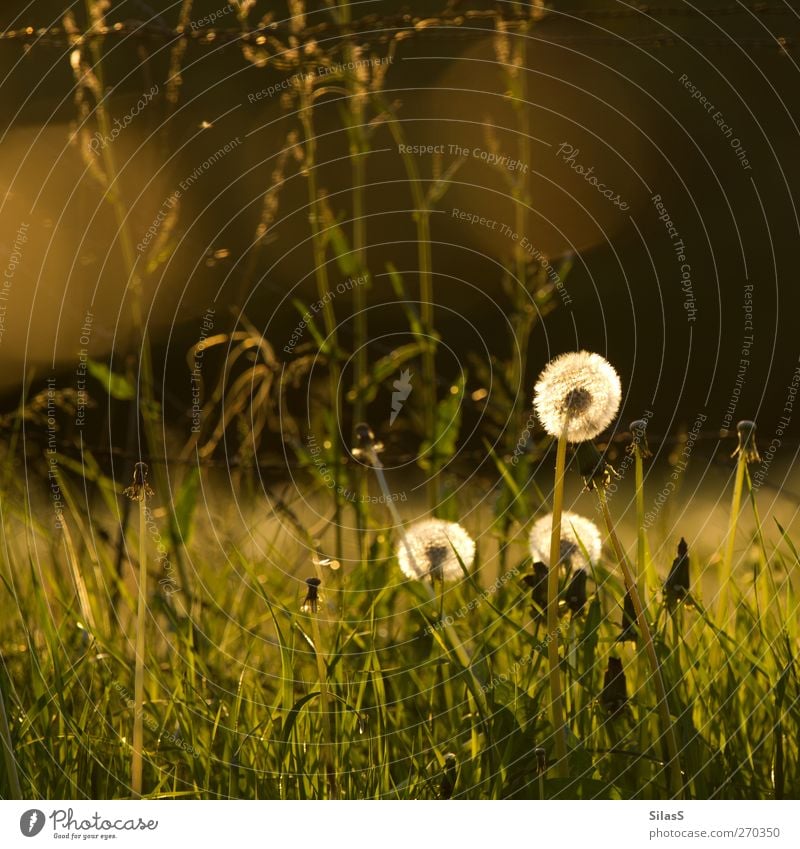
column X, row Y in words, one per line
column 311, row 601
column 140, row 489
column 366, row 447
column 596, row 472
column 576, row 531
column 432, row 548
column 638, row 430
column 577, row 394
column 747, row 442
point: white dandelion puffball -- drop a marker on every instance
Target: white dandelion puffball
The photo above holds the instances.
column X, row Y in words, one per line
column 576, row 531
column 580, row 388
column 429, row 550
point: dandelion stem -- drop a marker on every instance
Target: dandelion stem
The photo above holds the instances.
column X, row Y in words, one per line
column 727, row 559
column 673, row 767
column 644, row 563
column 556, row 700
column 138, row 686
column 327, row 714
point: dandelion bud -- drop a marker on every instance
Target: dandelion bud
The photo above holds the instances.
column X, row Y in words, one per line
column 577, row 396
column 311, row 601
column 614, row 695
column 593, row 468
column 538, row 584
column 140, row 489
column 449, row 775
column 629, row 632
column 575, row 594
column 435, row 549
column 578, row 534
column 676, row 586
column 541, row 760
column 638, row 430
column 747, row 442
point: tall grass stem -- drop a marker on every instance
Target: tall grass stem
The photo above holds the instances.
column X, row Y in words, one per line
column 673, row 767
column 8, row 751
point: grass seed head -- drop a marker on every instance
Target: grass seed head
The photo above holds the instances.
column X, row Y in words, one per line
column 577, row 395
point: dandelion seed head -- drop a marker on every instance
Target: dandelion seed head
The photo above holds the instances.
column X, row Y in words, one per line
column 576, row 531
column 581, row 389
column 432, row 549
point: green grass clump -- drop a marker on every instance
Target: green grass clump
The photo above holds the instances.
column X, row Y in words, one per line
column 251, row 694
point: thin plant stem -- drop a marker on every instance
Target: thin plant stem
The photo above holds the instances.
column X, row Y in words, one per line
column 77, row 577
column 8, row 751
column 673, row 767
column 147, row 405
column 726, row 574
column 323, row 291
column 556, row 698
column 359, row 147
column 644, row 562
column 422, row 223
column 138, row 687
column 327, row 714
column 765, row 587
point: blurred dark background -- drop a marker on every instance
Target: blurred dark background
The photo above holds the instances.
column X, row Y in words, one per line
column 612, row 83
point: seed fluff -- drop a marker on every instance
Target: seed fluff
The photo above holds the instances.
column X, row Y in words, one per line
column 432, row 549
column 580, row 389
column 576, row 531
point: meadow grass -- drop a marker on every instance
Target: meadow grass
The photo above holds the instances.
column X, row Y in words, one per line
column 180, row 660
column 371, row 697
